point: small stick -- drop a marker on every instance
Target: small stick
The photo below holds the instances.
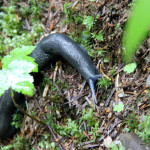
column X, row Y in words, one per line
column 24, row 112
column 104, row 73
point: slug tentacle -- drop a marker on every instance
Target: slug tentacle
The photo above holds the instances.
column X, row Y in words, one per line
column 91, row 82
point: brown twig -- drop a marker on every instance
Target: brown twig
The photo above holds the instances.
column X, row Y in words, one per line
column 24, row 112
column 104, row 73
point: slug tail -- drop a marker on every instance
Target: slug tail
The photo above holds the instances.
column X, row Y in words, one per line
column 91, row 82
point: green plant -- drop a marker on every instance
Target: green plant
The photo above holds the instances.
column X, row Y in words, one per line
column 88, row 116
column 87, row 34
column 68, row 12
column 13, row 1
column 100, row 52
column 98, row 36
column 33, row 10
column 144, row 129
column 36, row 30
column 94, row 131
column 76, row 129
column 112, row 72
column 18, row 41
column 118, row 27
column 72, row 16
column 86, row 42
column 77, row 20
column 25, row 10
column 132, row 122
column 10, row 23
column 88, row 21
column 50, row 118
column 17, row 66
column 104, row 82
column 18, row 144
column 119, row 107
column 12, row 27
column 17, row 120
column 2, row 46
column 113, row 146
column 44, row 143
column 73, row 129
column 130, row 68
column 136, row 29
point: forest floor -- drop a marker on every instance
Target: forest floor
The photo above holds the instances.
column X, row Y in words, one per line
column 66, row 99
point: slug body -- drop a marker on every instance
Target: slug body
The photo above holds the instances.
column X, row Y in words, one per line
column 61, row 45
column 47, row 50
column 7, row 109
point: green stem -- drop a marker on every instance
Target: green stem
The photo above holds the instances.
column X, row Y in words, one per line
column 24, row 112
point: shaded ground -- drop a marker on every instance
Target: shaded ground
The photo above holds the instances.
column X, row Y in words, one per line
column 67, row 94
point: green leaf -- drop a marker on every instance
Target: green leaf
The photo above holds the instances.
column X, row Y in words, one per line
column 98, row 36
column 24, row 51
column 136, row 29
column 6, row 61
column 88, row 21
column 119, row 107
column 25, row 88
column 22, row 65
column 17, row 77
column 18, row 54
column 130, row 67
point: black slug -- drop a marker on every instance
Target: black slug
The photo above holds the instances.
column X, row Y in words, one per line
column 48, row 49
column 61, row 45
